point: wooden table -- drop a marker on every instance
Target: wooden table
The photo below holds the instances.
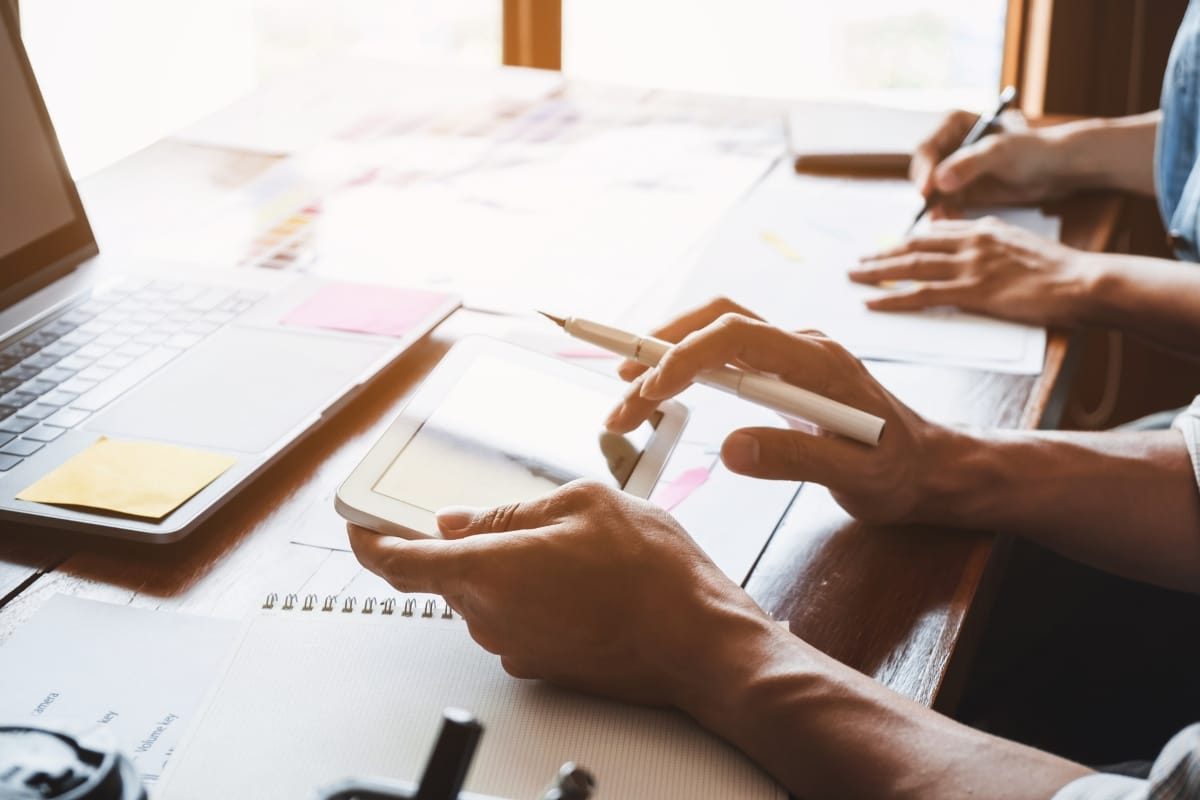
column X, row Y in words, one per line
column 896, row 603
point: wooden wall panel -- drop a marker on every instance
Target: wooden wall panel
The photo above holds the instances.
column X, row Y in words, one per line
column 1090, row 57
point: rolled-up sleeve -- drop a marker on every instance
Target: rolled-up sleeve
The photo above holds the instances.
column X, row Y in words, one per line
column 1174, row 776
column 1188, row 423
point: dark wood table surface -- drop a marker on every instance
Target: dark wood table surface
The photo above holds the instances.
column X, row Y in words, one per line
column 895, row 603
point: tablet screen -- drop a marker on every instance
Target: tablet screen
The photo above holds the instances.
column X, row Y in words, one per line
column 507, row 432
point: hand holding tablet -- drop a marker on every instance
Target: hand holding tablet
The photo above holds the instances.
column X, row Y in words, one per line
column 496, row 424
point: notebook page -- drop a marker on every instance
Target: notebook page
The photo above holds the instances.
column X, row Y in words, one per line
column 307, row 700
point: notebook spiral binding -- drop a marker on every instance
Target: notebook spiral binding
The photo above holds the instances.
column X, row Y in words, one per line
column 411, row 607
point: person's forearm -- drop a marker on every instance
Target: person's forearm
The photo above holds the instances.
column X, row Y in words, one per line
column 1124, row 502
column 1108, row 153
column 1151, row 297
column 824, row 730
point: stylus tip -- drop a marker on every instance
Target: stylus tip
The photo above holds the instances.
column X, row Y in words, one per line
column 559, row 321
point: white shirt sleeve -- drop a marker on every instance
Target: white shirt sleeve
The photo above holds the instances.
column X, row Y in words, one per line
column 1104, row 787
column 1188, row 423
column 1176, row 772
column 1174, row 776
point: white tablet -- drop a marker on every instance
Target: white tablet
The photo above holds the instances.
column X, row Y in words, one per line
column 496, row 424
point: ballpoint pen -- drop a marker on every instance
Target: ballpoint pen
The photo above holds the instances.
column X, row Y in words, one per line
column 762, row 390
column 977, row 132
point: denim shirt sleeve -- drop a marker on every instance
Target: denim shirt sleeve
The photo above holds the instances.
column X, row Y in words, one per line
column 1176, row 171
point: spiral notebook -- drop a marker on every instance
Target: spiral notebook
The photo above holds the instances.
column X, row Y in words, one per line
column 318, row 691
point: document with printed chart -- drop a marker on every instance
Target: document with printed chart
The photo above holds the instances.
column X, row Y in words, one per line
column 146, row 673
column 785, row 251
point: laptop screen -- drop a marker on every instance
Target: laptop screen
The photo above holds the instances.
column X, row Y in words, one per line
column 41, row 219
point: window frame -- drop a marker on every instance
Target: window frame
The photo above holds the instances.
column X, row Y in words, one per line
column 532, row 31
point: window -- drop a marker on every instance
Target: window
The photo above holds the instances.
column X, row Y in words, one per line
column 932, row 53
column 119, row 74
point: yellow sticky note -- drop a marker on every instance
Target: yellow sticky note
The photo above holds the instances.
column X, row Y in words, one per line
column 780, row 245
column 140, row 479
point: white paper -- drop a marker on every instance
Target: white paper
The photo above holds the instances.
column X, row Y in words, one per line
column 582, row 198
column 78, row 665
column 528, row 237
column 785, row 251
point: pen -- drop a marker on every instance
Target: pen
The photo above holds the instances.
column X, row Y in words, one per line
column 769, row 392
column 977, row 132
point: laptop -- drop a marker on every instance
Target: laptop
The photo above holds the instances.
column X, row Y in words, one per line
column 198, row 359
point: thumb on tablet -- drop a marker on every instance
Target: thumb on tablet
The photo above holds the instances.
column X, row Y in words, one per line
column 457, row 522
column 454, row 522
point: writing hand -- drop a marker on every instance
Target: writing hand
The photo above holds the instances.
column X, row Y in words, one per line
column 1010, row 167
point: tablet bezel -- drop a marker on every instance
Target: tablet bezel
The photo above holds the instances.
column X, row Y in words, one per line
column 357, row 501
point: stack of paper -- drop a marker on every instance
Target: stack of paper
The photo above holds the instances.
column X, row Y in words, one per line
column 856, row 136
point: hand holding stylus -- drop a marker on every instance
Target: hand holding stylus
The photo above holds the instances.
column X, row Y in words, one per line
column 777, row 395
column 891, row 482
column 760, row 389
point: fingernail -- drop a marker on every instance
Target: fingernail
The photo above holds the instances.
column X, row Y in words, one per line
column 740, row 451
column 455, row 518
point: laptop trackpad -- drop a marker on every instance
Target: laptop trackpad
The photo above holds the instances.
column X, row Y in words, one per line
column 241, row 389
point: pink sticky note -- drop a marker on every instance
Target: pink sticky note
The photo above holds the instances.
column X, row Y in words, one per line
column 675, row 492
column 363, row 308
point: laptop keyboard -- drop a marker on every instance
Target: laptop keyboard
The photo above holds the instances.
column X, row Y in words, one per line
column 58, row 374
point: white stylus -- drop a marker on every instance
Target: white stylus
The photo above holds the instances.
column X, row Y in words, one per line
column 769, row 392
